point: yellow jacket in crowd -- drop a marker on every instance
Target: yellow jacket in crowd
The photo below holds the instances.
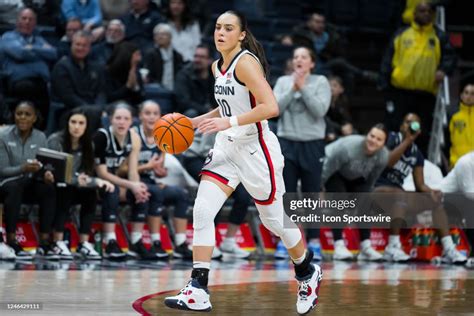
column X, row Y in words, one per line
column 414, row 55
column 461, row 129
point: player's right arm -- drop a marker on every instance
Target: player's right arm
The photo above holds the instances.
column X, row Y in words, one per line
column 210, row 114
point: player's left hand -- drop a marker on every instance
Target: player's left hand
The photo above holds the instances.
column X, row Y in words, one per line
column 213, row 125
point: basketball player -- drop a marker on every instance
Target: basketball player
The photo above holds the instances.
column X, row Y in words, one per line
column 115, row 147
column 245, row 151
column 151, row 168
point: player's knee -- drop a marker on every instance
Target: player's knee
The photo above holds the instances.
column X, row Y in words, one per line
column 139, row 215
column 155, row 210
column 203, row 224
column 201, row 215
column 273, row 225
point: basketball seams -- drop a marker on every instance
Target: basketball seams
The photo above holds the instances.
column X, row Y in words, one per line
column 164, row 133
column 168, row 129
column 187, row 143
column 183, row 117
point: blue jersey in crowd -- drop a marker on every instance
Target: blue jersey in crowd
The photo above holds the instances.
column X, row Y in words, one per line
column 147, row 151
column 411, row 158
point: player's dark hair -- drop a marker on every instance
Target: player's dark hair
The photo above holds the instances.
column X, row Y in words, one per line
column 87, row 161
column 250, row 42
column 117, row 106
column 142, row 105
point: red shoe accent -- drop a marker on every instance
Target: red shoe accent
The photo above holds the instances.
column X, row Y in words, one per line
column 191, row 301
column 309, row 291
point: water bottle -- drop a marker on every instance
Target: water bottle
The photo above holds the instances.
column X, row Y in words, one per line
column 455, row 236
column 67, row 237
column 414, row 127
column 98, row 242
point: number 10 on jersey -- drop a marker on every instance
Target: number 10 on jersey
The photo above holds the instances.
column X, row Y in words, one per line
column 225, row 107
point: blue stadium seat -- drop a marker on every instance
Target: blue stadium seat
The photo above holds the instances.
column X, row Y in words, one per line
column 343, row 12
column 162, row 96
column 278, row 54
column 377, row 14
column 286, row 8
column 218, row 7
column 261, row 28
column 280, row 26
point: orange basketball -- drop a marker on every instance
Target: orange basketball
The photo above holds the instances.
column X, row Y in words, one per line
column 173, row 133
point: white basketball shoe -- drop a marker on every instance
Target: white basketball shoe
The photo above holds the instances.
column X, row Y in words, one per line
column 192, row 297
column 394, row 252
column 453, row 256
column 368, row 253
column 308, row 289
column 341, row 252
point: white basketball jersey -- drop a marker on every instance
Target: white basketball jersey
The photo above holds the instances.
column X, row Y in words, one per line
column 235, row 99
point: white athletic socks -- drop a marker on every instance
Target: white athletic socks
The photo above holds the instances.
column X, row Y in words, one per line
column 447, row 242
column 136, row 236
column 394, row 240
column 179, row 239
column 109, row 236
column 155, row 237
column 202, row 265
column 300, row 259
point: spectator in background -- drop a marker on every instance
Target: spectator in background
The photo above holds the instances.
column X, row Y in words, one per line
column 409, row 11
column 185, row 31
column 303, row 99
column 151, row 169
column 139, row 23
column 194, row 84
column 22, row 181
column 329, row 46
column 406, row 158
column 76, row 140
column 461, row 126
column 415, row 63
column 461, row 177
column 353, row 164
column 338, row 118
column 460, row 180
column 27, row 59
column 76, row 81
column 114, row 34
column 64, row 46
column 122, row 78
column 162, row 61
column 118, row 147
column 88, row 11
column 322, row 38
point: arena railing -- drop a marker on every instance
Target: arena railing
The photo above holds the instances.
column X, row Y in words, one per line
column 440, row 120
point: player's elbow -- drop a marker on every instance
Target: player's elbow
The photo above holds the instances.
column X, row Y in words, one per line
column 273, row 111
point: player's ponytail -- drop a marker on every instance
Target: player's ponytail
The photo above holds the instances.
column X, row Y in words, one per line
column 250, row 42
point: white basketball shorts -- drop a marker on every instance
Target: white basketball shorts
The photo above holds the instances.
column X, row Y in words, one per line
column 257, row 164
